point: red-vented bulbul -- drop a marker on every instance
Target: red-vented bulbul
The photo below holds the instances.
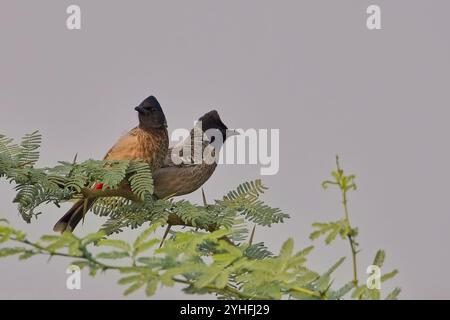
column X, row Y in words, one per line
column 148, row 141
column 180, row 179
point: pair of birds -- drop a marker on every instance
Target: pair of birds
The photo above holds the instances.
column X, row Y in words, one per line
column 149, row 141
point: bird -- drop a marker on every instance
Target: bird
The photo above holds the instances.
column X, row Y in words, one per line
column 174, row 179
column 149, row 141
column 180, row 179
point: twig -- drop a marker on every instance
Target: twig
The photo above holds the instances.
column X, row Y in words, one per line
column 165, row 235
column 88, row 257
column 26, row 163
column 205, row 203
column 350, row 238
column 252, row 235
column 120, row 192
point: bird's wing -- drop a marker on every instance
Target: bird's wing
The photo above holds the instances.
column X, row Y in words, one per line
column 179, row 180
column 176, row 180
column 168, row 160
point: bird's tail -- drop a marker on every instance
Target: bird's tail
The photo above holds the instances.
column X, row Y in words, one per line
column 72, row 217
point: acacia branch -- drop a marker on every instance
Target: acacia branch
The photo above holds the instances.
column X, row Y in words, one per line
column 350, row 236
column 173, row 219
column 227, row 290
column 90, row 193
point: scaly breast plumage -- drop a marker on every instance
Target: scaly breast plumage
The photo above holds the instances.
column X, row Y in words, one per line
column 153, row 148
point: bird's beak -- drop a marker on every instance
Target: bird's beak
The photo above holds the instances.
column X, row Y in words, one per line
column 231, row 133
column 139, row 109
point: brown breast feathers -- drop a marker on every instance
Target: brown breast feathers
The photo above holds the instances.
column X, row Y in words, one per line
column 148, row 145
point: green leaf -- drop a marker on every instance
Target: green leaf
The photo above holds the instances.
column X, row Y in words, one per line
column 93, row 268
column 141, row 180
column 394, row 294
column 389, row 275
column 58, row 244
column 113, row 255
column 379, row 258
column 335, row 266
column 119, row 244
column 359, row 292
column 151, row 287
column 306, row 279
column 343, row 290
column 5, row 234
column 219, row 234
column 245, row 201
column 93, row 237
column 374, row 294
column 286, row 249
column 222, row 280
column 134, row 287
column 27, row 254
column 74, row 249
column 145, row 246
column 49, row 238
column 130, row 279
column 206, row 278
column 330, row 229
column 80, row 263
column 144, row 235
column 285, row 254
column 331, row 236
column 5, row 252
column 300, row 257
column 257, row 251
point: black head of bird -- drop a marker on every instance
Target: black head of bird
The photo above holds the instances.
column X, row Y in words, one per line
column 211, row 122
column 151, row 114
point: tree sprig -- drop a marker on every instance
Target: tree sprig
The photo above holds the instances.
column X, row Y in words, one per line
column 213, row 255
